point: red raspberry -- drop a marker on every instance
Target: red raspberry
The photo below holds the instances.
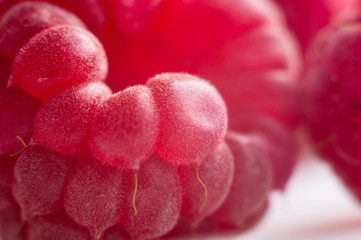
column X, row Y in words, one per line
column 332, row 100
column 332, row 79
column 93, row 165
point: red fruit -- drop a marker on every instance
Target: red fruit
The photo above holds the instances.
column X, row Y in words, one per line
column 58, row 58
column 6, row 173
column 56, row 226
column 332, row 79
column 115, row 233
column 62, row 123
column 251, row 182
column 216, row 173
column 175, row 121
column 125, row 128
column 153, row 210
column 17, row 111
column 90, row 11
column 277, row 141
column 25, row 20
column 4, row 72
column 193, row 117
column 40, row 177
column 93, row 197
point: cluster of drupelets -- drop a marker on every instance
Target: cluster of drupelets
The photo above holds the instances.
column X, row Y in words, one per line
column 79, row 162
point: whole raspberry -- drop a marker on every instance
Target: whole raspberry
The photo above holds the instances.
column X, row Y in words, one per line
column 79, row 162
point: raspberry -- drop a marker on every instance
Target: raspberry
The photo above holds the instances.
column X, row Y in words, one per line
column 83, row 163
column 125, row 128
column 193, row 117
column 25, row 20
column 332, row 80
column 67, row 55
column 62, row 123
column 32, row 188
column 17, row 115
